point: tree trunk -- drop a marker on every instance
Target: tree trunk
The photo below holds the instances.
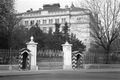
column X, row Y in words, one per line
column 107, row 57
column 9, row 39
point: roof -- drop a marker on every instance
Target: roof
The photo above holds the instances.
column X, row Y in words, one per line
column 75, row 53
column 24, row 49
column 55, row 10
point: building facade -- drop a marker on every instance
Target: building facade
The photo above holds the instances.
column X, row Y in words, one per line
column 78, row 20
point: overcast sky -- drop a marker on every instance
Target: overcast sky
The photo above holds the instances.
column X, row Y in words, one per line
column 23, row 5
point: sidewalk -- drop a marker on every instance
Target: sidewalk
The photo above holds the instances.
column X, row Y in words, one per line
column 17, row 73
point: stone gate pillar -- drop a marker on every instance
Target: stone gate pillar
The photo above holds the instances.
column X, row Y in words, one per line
column 32, row 46
column 67, row 58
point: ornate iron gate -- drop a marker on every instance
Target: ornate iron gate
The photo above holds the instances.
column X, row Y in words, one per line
column 50, row 59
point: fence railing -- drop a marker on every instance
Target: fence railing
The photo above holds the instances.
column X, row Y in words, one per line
column 100, row 58
column 49, row 53
column 12, row 57
column 9, row 56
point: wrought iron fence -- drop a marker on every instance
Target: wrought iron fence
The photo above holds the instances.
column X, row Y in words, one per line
column 12, row 56
column 50, row 53
column 9, row 56
column 100, row 58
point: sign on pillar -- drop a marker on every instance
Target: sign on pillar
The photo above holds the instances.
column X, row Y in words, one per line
column 67, row 50
column 32, row 46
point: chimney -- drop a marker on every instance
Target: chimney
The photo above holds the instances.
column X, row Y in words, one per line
column 53, row 6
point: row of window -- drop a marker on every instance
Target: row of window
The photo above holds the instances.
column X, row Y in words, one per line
column 44, row 21
column 40, row 13
column 45, row 29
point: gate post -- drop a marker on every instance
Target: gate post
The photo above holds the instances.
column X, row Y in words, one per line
column 67, row 58
column 32, row 46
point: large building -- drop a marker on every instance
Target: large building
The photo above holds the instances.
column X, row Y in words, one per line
column 78, row 20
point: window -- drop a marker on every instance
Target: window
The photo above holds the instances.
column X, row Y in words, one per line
column 38, row 21
column 44, row 29
column 44, row 21
column 32, row 22
column 50, row 21
column 56, row 20
column 50, row 29
column 63, row 20
column 26, row 22
column 79, row 18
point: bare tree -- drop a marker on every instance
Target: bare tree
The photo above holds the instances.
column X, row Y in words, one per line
column 105, row 22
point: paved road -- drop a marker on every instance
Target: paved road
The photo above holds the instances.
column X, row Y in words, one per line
column 65, row 75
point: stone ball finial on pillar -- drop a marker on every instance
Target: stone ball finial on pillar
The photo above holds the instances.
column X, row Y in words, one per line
column 31, row 38
column 67, row 50
column 32, row 46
